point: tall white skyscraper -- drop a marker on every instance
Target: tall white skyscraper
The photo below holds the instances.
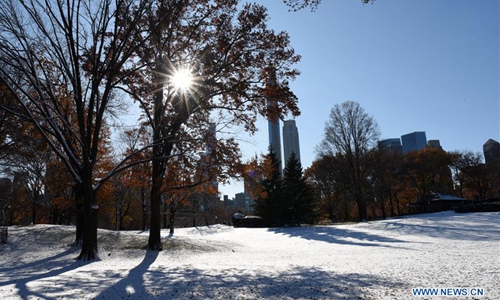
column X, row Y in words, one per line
column 290, row 140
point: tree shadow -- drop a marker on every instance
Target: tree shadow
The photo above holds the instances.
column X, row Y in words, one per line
column 133, row 282
column 21, row 275
column 233, row 283
column 473, row 227
column 28, row 268
column 337, row 235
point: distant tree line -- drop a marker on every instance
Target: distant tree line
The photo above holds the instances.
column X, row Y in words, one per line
column 352, row 179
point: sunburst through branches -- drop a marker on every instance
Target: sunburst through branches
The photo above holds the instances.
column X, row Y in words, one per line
column 182, row 80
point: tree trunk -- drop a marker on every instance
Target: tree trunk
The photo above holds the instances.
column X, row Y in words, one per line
column 397, row 204
column 144, row 204
column 361, row 209
column 165, row 215
column 33, row 213
column 374, row 212
column 382, row 207
column 171, row 222
column 158, row 173
column 118, row 215
column 80, row 214
column 89, row 245
column 346, row 210
column 391, row 205
column 154, row 242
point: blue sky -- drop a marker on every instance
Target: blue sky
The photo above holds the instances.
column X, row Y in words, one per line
column 413, row 65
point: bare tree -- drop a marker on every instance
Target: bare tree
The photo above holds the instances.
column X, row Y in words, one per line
column 62, row 60
column 352, row 133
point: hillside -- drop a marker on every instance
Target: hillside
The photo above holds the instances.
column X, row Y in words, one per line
column 373, row 260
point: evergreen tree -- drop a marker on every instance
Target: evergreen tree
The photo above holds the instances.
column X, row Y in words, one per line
column 269, row 204
column 297, row 194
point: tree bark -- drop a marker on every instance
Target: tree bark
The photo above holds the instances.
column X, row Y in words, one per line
column 397, row 204
column 118, row 214
column 391, row 205
column 80, row 214
column 89, row 246
column 382, row 207
column 361, row 209
column 144, row 204
column 171, row 222
column 165, row 221
column 154, row 242
column 33, row 213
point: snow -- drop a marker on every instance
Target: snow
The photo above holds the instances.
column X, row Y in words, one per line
column 371, row 260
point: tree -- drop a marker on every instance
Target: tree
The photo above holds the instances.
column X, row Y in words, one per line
column 427, row 170
column 8, row 124
column 137, row 177
column 28, row 166
column 59, row 188
column 188, row 184
column 352, row 133
column 478, row 180
column 229, row 54
column 460, row 161
column 270, row 204
column 330, row 179
column 383, row 177
column 296, row 5
column 23, row 156
column 298, row 194
column 71, row 52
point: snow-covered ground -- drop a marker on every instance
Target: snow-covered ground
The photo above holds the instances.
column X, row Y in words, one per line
column 374, row 260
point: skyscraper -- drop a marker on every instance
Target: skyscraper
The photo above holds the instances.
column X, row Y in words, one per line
column 290, row 140
column 434, row 144
column 491, row 151
column 274, row 136
column 273, row 122
column 413, row 141
column 211, row 140
column 391, row 145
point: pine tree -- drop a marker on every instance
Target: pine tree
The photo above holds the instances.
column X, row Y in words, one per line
column 297, row 194
column 269, row 204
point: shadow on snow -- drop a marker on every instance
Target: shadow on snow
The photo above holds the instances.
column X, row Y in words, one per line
column 233, row 283
column 337, row 235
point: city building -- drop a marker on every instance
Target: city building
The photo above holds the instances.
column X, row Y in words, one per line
column 273, row 122
column 392, row 145
column 274, row 137
column 491, row 151
column 413, row 141
column 243, row 201
column 290, row 140
column 227, row 201
column 208, row 165
column 434, row 144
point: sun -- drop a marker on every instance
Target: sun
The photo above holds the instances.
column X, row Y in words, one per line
column 182, row 79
